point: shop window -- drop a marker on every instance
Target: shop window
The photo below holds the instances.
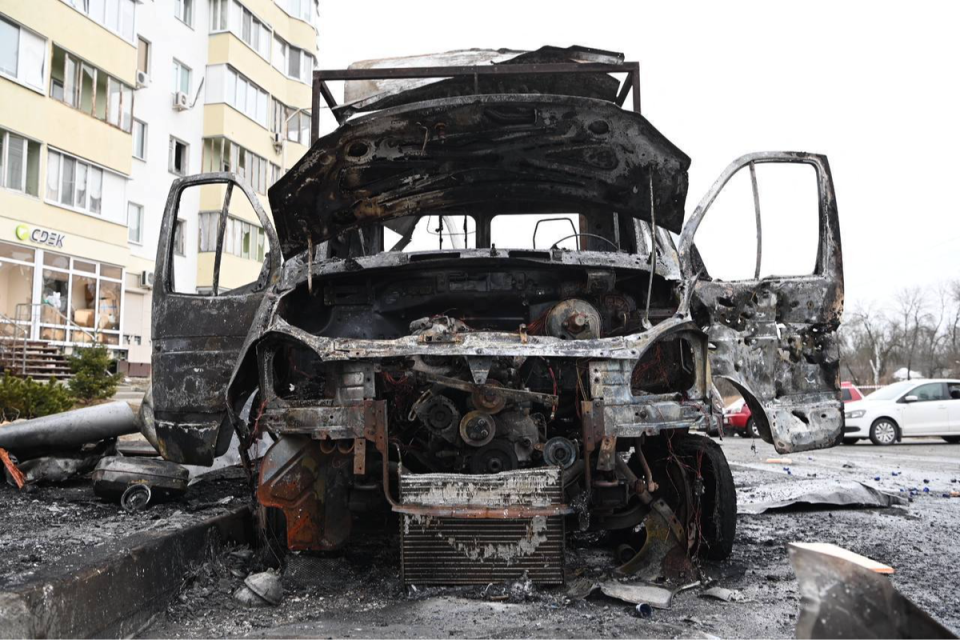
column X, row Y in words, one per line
column 16, row 289
column 81, row 301
column 178, row 156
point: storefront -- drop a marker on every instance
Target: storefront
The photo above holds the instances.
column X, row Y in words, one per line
column 51, row 296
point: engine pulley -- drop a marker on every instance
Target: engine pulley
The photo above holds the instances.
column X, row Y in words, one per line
column 559, row 452
column 478, row 428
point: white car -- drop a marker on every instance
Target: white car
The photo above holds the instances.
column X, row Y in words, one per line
column 904, row 410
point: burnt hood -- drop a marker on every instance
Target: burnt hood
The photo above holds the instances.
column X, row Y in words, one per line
column 481, row 154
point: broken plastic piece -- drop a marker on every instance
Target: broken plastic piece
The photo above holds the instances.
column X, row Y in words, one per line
column 846, row 554
column 638, row 594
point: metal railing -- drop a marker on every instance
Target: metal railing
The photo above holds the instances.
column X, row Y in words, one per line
column 16, row 333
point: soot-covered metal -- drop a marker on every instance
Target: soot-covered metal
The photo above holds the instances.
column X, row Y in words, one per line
column 495, row 397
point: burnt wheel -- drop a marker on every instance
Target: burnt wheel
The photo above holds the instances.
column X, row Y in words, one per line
column 752, row 431
column 696, row 482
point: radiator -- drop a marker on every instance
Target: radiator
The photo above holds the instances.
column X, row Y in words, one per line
column 459, row 551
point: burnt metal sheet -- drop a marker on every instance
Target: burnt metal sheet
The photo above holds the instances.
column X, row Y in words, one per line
column 368, row 94
column 840, row 599
column 496, row 153
column 774, row 338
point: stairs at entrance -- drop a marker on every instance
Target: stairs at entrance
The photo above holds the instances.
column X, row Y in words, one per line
column 34, row 359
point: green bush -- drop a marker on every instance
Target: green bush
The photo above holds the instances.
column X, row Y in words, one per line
column 92, row 379
column 25, row 398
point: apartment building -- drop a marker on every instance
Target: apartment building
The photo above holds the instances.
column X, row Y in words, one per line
column 103, row 103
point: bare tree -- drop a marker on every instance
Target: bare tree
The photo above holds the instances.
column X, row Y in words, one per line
column 911, row 306
column 873, row 337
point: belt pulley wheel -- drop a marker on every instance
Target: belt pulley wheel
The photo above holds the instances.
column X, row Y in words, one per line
column 499, row 455
column 478, row 428
column 486, row 398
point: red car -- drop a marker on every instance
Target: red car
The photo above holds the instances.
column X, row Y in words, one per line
column 737, row 417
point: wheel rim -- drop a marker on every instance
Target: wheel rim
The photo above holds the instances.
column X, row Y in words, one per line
column 885, row 432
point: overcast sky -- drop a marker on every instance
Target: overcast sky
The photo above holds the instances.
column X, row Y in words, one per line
column 873, row 85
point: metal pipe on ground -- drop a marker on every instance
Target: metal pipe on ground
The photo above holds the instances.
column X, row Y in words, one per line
column 70, row 429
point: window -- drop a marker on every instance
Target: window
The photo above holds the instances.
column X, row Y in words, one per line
column 291, row 61
column 22, row 54
column 181, row 77
column 114, row 15
column 74, row 183
column 274, row 175
column 953, row 389
column 241, row 238
column 220, row 154
column 929, row 392
column 302, row 9
column 294, row 123
column 139, row 140
column 135, row 223
column 183, row 10
column 178, row 235
column 143, row 56
column 88, row 89
column 219, row 15
column 178, row 156
column 19, row 163
column 252, row 30
column 86, row 294
column 246, row 97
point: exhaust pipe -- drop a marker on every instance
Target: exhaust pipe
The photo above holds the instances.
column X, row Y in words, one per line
column 69, row 430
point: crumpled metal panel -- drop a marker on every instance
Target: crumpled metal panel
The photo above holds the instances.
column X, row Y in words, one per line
column 497, row 153
column 365, row 95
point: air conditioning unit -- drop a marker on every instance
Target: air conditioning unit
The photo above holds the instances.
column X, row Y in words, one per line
column 181, row 101
column 143, row 79
column 146, row 279
column 277, row 141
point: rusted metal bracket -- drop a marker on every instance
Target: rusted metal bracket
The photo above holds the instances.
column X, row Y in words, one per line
column 359, row 457
column 517, row 395
column 608, row 449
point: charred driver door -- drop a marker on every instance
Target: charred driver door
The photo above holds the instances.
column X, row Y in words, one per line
column 203, row 309
column 773, row 336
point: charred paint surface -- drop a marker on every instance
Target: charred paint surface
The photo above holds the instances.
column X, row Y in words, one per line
column 493, row 152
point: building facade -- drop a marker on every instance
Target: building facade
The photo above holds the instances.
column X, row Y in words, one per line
column 103, row 103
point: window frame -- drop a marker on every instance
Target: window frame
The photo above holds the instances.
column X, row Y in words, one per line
column 5, row 146
column 125, row 91
column 83, row 7
column 185, row 160
column 183, row 11
column 142, row 138
column 20, row 76
column 179, row 68
column 139, row 240
column 149, row 54
column 90, row 169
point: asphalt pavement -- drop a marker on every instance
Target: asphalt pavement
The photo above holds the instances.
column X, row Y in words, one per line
column 357, row 592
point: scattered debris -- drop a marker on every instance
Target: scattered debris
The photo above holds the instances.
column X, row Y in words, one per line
column 115, row 478
column 719, row 593
column 842, row 599
column 638, row 594
column 779, row 461
column 826, row 495
column 260, row 589
column 13, row 473
column 839, row 552
column 55, row 469
column 643, row 610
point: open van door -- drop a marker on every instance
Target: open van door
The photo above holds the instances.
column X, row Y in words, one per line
column 202, row 311
column 774, row 337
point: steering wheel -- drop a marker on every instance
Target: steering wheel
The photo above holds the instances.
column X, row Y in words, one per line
column 585, row 235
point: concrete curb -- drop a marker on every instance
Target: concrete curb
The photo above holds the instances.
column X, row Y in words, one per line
column 113, row 590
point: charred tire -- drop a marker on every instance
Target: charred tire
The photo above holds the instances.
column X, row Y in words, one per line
column 884, row 431
column 849, row 441
column 952, row 439
column 718, row 501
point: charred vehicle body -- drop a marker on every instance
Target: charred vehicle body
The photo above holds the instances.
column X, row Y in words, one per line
column 494, row 394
